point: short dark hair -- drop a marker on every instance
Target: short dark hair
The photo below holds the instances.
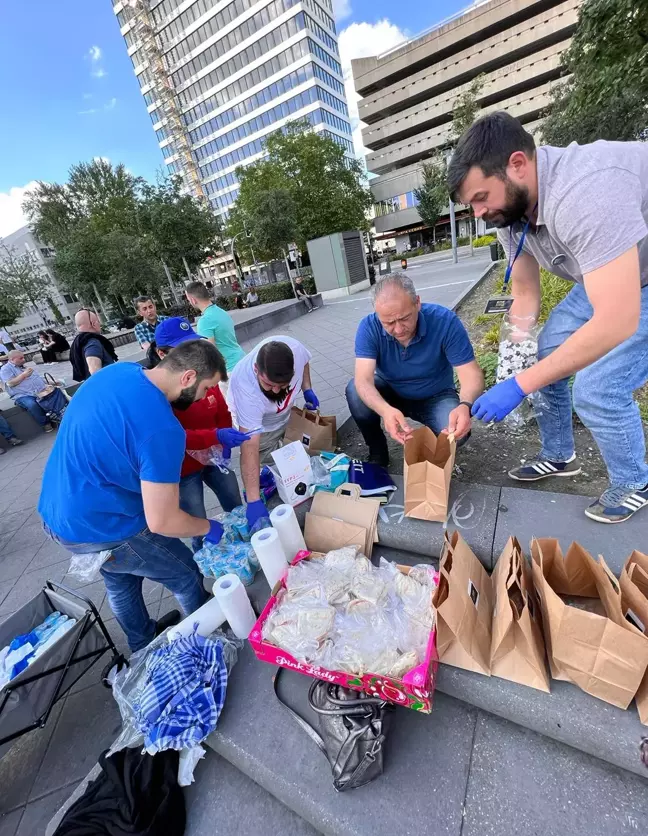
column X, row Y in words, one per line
column 276, row 362
column 200, row 355
column 488, row 143
column 198, row 290
column 141, row 299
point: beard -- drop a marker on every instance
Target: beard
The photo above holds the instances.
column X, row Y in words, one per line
column 517, row 202
column 275, row 397
column 186, row 398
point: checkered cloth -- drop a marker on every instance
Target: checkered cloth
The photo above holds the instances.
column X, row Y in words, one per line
column 184, row 694
column 145, row 333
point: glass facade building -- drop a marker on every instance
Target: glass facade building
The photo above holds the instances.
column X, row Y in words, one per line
column 237, row 71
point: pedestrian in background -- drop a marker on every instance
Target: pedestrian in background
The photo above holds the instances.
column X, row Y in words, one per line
column 8, row 434
column 145, row 330
column 300, row 293
column 31, row 392
column 215, row 324
column 90, row 350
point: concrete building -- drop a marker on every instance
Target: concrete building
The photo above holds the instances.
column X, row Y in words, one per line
column 218, row 77
column 408, row 94
column 43, row 314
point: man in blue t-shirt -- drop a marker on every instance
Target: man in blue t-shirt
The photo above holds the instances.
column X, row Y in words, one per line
column 111, row 482
column 405, row 355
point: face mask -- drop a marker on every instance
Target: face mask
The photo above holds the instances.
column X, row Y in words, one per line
column 275, row 397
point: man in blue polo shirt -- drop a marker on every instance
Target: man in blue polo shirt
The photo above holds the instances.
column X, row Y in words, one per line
column 405, row 355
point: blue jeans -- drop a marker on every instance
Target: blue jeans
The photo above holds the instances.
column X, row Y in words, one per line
column 433, row 412
column 38, row 408
column 602, row 395
column 5, row 429
column 192, row 496
column 165, row 560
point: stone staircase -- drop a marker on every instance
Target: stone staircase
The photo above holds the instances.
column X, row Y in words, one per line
column 493, row 757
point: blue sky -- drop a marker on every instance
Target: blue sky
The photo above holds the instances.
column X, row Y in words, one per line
column 69, row 92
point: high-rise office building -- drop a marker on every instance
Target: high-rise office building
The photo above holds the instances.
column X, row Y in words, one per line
column 408, row 94
column 218, row 76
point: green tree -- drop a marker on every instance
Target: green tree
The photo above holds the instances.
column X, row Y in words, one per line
column 465, row 109
column 606, row 94
column 432, row 196
column 9, row 309
column 177, row 225
column 327, row 189
column 22, row 279
column 269, row 227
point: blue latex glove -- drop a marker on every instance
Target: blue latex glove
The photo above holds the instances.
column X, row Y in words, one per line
column 311, row 399
column 229, row 437
column 496, row 404
column 255, row 511
column 215, row 532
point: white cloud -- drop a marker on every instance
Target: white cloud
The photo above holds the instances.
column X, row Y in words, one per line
column 362, row 40
column 341, row 9
column 87, row 95
column 94, row 56
column 11, row 214
column 110, row 104
column 86, row 112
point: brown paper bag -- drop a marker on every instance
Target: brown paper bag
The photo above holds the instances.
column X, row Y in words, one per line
column 517, row 645
column 318, row 433
column 429, row 460
column 634, row 605
column 323, row 534
column 346, row 505
column 464, row 607
column 589, row 643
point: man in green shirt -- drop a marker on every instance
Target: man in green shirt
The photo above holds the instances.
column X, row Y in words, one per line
column 215, row 324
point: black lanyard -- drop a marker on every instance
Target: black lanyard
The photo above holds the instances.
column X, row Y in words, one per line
column 509, row 268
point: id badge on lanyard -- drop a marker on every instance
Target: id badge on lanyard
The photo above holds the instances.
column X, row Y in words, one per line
column 502, row 303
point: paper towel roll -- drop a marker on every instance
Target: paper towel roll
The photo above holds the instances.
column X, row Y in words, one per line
column 284, row 520
column 237, row 609
column 209, row 618
column 267, row 547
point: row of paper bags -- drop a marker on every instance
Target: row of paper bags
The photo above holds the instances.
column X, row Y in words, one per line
column 570, row 610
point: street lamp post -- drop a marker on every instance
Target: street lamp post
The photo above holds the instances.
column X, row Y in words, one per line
column 453, row 226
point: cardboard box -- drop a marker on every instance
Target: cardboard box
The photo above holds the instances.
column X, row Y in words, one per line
column 414, row 691
column 293, row 473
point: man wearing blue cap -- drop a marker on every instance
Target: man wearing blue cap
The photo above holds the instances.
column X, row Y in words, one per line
column 111, row 482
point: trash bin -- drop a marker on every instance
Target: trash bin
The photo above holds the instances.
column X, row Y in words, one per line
column 403, row 264
column 494, row 251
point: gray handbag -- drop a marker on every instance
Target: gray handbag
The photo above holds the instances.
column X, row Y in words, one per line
column 353, row 729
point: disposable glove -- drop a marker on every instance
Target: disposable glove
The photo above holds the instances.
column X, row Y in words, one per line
column 255, row 511
column 215, row 532
column 496, row 404
column 311, row 400
column 229, row 437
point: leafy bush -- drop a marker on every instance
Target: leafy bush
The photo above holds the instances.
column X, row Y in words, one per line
column 484, row 240
column 488, row 363
column 269, row 293
column 227, row 303
column 463, row 241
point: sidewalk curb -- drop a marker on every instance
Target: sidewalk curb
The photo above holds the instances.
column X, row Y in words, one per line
column 466, row 293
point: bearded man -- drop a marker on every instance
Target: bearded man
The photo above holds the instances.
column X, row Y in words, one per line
column 580, row 212
column 263, row 387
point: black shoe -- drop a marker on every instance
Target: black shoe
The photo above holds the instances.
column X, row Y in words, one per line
column 111, row 670
column 378, row 457
column 169, row 620
column 15, row 442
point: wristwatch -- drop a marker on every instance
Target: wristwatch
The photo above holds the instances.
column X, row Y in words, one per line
column 466, row 403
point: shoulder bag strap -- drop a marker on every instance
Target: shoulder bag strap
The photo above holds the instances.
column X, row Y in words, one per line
column 310, row 731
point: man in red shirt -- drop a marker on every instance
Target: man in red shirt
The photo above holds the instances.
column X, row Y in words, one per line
column 207, row 423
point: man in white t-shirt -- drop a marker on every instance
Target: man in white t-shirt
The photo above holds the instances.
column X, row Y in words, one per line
column 263, row 387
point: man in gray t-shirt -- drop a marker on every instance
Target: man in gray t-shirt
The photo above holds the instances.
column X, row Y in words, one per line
column 581, row 212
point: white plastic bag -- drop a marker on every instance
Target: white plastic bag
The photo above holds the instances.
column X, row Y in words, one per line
column 212, row 456
column 518, row 350
column 86, row 567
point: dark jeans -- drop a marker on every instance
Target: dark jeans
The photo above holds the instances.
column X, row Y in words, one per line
column 433, row 412
column 165, row 560
column 5, row 429
column 39, row 407
column 192, row 495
